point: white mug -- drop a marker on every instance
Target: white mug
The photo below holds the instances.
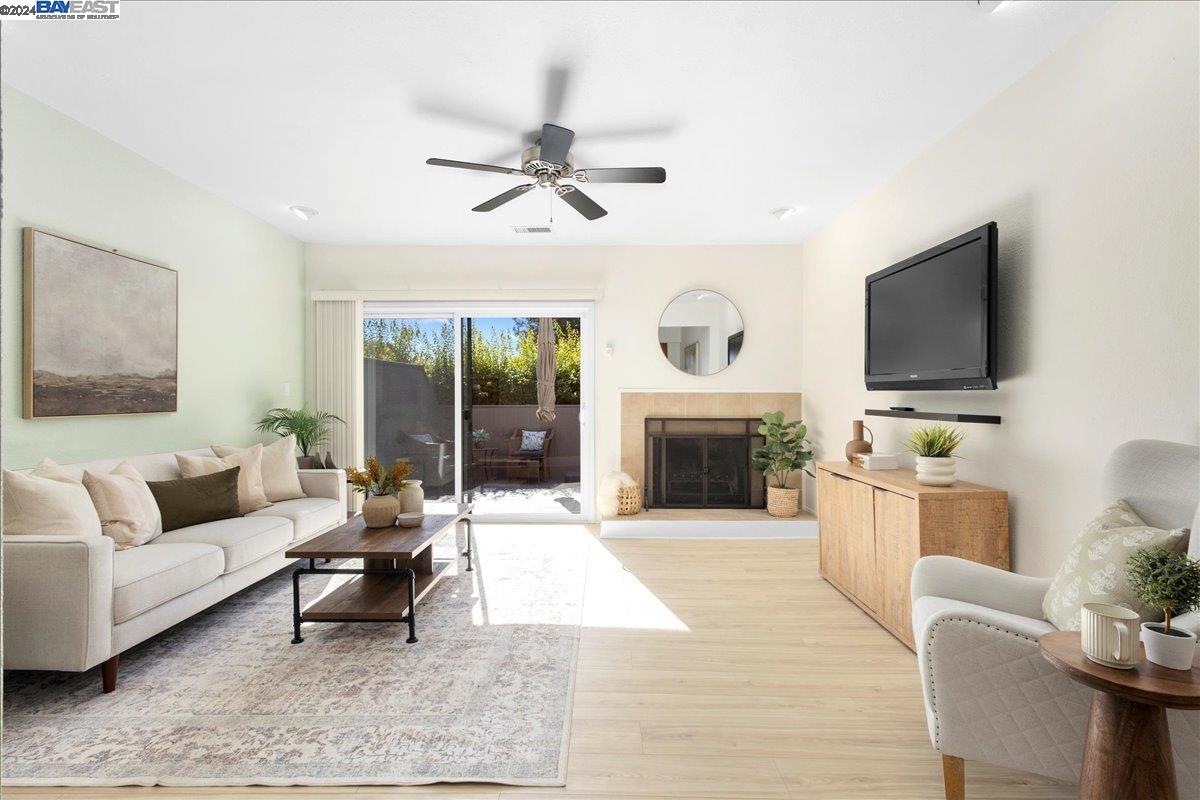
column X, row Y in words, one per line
column 1110, row 635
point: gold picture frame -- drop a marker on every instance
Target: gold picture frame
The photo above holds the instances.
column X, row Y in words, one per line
column 100, row 330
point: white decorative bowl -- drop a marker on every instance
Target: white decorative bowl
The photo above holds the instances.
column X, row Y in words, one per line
column 410, row 519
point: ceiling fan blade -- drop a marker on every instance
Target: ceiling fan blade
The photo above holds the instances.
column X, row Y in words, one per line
column 501, row 199
column 445, row 162
column 579, row 201
column 621, row 175
column 556, row 143
column 558, row 77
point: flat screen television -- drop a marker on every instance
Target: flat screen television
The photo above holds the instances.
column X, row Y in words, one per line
column 931, row 319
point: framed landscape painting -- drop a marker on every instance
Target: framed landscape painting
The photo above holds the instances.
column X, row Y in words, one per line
column 100, row 333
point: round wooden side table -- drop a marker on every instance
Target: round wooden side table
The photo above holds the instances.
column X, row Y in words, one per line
column 1128, row 750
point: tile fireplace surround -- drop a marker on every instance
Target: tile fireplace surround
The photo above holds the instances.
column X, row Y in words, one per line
column 637, row 405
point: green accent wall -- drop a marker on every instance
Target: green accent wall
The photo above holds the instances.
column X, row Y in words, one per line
column 241, row 289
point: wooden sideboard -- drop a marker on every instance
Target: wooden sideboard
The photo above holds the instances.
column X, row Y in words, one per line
column 875, row 524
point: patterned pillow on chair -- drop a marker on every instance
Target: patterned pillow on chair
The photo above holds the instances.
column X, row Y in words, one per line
column 1094, row 570
column 533, row 442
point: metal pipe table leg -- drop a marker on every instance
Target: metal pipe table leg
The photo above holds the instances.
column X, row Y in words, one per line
column 296, row 637
column 470, row 543
column 412, row 605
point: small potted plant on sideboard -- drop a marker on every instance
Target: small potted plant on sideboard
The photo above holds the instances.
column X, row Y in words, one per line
column 934, row 447
column 1169, row 582
column 784, row 451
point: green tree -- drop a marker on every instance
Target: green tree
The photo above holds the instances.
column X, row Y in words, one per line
column 503, row 363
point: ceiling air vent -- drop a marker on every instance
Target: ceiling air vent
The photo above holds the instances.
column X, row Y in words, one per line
column 531, row 229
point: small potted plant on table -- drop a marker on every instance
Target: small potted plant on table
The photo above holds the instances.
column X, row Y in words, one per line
column 1169, row 582
column 784, row 451
column 934, row 447
column 380, row 486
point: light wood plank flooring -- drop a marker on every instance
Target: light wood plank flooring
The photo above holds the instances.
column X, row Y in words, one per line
column 749, row 678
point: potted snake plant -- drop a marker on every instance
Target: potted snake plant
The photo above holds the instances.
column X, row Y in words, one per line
column 784, row 451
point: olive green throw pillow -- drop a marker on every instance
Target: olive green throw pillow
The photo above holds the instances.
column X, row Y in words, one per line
column 192, row 501
column 1094, row 570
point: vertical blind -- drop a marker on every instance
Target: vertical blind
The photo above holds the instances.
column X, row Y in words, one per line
column 338, row 374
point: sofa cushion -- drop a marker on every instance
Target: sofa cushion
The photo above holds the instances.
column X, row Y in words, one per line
column 48, row 501
column 243, row 540
column 308, row 514
column 184, row 502
column 148, row 576
column 281, row 479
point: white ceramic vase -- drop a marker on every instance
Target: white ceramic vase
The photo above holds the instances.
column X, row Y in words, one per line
column 935, row 471
column 412, row 497
column 1172, row 650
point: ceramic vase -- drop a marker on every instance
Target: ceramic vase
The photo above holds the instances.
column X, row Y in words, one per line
column 379, row 511
column 935, row 471
column 412, row 497
column 1174, row 650
column 783, row 502
column 858, row 445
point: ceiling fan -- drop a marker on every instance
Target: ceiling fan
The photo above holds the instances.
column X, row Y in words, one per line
column 549, row 162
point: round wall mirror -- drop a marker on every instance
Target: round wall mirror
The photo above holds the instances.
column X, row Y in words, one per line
column 700, row 332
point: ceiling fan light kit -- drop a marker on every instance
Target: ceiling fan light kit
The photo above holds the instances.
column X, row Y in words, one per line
column 549, row 162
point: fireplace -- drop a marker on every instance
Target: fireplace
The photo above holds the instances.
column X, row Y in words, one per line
column 702, row 463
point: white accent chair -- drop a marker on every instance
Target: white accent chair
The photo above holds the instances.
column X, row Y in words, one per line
column 72, row 602
column 989, row 694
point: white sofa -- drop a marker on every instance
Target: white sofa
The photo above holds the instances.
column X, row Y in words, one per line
column 989, row 694
column 73, row 602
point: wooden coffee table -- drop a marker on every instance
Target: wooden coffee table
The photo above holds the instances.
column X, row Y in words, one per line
column 1128, row 749
column 398, row 569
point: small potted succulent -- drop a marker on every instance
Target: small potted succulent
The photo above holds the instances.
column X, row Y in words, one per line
column 934, row 447
column 1169, row 582
column 784, row 451
column 480, row 437
column 380, row 487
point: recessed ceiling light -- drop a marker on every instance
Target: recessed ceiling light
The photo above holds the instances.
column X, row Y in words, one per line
column 785, row 212
column 303, row 212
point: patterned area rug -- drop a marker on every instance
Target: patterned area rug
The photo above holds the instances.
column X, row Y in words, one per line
column 226, row 699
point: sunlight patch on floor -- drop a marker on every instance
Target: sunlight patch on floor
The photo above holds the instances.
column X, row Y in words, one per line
column 617, row 599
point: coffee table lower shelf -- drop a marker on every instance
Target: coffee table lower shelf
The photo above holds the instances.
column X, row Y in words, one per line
column 372, row 597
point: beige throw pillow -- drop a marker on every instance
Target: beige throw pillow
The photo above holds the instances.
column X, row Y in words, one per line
column 1094, row 570
column 128, row 512
column 280, row 479
column 47, row 501
column 251, row 496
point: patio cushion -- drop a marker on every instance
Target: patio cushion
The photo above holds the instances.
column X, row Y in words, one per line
column 532, row 443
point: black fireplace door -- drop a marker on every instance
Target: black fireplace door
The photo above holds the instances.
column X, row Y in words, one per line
column 703, row 472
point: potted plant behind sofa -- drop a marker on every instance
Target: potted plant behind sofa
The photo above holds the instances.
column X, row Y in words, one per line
column 380, row 486
column 310, row 429
column 1169, row 582
column 784, row 451
column 934, row 447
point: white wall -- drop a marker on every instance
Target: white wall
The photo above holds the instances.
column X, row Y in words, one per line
column 241, row 310
column 1089, row 165
column 637, row 284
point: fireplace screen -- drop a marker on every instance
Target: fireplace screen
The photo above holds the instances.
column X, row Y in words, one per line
column 702, row 463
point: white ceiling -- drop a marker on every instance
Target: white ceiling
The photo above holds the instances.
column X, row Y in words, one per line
column 748, row 106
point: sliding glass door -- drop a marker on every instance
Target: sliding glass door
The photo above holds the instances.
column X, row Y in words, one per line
column 489, row 403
